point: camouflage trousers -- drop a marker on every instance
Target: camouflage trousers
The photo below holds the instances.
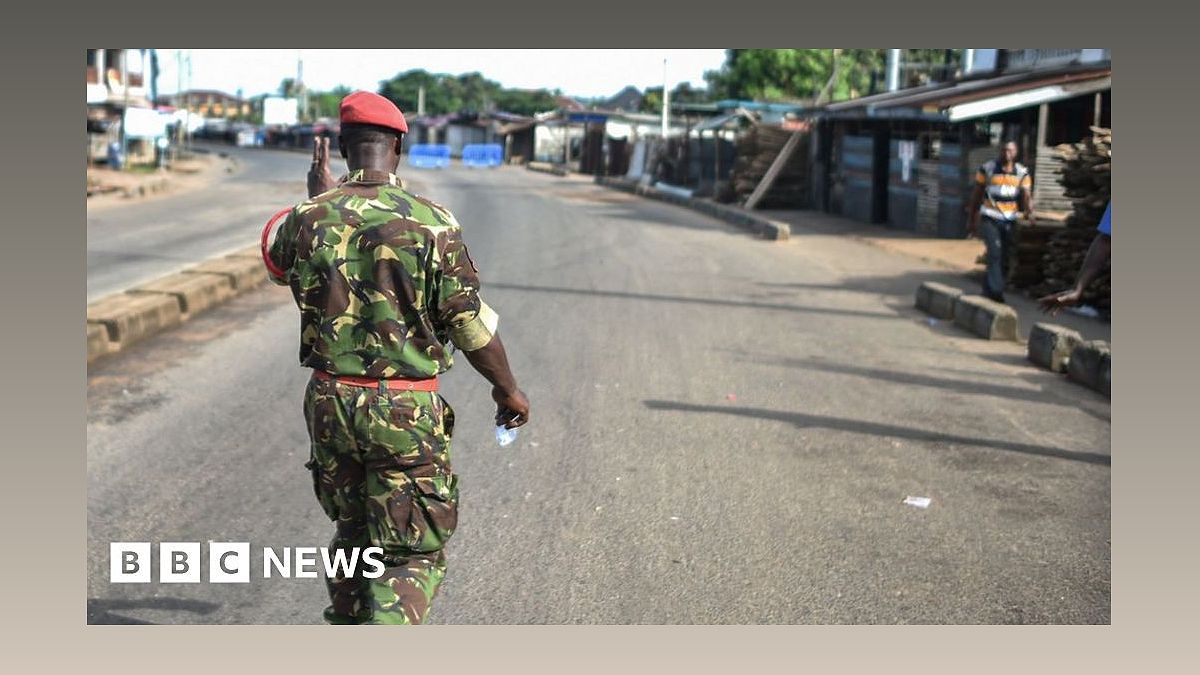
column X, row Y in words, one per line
column 381, row 470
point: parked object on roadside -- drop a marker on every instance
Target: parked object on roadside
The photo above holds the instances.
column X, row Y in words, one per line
column 426, row 156
column 480, row 155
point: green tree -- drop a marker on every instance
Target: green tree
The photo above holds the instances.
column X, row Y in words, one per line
column 683, row 92
column 327, row 103
column 445, row 93
column 801, row 75
column 288, row 88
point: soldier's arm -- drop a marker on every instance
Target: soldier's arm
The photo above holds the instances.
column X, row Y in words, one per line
column 491, row 361
column 283, row 249
column 471, row 325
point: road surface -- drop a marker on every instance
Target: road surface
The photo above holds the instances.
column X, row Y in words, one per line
column 723, row 431
column 133, row 243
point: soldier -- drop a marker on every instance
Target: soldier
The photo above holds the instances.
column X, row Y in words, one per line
column 384, row 282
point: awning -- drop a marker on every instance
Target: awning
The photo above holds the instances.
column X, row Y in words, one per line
column 973, row 98
column 506, row 129
column 1024, row 99
column 728, row 121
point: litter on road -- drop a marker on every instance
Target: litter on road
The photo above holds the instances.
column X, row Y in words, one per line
column 919, row 502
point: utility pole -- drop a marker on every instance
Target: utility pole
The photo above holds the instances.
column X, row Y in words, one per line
column 125, row 108
column 178, row 100
column 666, row 102
column 421, row 100
column 300, row 85
column 189, row 99
column 893, row 72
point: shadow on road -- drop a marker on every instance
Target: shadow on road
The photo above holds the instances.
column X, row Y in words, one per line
column 743, row 304
column 802, row 420
column 967, row 387
column 100, row 611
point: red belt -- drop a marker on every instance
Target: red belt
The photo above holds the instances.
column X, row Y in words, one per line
column 393, row 383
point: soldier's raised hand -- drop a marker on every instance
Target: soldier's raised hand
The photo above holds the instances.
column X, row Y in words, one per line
column 319, row 177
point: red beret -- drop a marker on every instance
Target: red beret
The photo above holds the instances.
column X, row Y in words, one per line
column 363, row 107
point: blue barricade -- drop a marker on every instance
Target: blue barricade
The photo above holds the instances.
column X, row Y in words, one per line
column 480, row 154
column 429, row 156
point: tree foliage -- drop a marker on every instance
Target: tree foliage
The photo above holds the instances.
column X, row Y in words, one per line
column 800, row 75
column 326, row 103
column 445, row 93
column 683, row 92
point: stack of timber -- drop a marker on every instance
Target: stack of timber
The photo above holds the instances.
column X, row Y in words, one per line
column 1087, row 177
column 757, row 150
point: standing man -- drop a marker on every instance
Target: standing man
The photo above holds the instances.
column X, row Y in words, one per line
column 383, row 282
column 1093, row 265
column 1001, row 186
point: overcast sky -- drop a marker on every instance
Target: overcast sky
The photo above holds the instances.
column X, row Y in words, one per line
column 578, row 72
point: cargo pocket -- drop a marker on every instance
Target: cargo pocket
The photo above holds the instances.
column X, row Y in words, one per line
column 324, row 497
column 434, row 514
column 417, row 514
column 447, row 416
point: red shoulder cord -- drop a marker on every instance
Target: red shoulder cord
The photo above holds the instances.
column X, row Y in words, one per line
column 271, row 267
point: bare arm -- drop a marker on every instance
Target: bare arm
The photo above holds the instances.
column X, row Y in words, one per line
column 973, row 210
column 1093, row 264
column 491, row 361
column 1027, row 197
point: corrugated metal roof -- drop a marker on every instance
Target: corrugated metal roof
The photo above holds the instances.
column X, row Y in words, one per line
column 726, row 121
column 1014, row 100
column 945, row 96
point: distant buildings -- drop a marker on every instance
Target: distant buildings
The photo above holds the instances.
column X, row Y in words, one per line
column 118, row 103
column 209, row 103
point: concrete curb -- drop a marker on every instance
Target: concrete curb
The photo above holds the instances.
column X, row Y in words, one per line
column 116, row 321
column 986, row 318
column 983, row 317
column 1050, row 346
column 1091, row 365
column 243, row 273
column 1056, row 348
column 546, row 167
column 194, row 292
column 937, row 300
column 769, row 229
column 130, row 317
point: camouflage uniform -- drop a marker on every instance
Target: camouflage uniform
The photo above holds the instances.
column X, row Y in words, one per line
column 383, row 282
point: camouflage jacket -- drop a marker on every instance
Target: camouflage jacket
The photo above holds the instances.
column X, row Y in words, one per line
column 382, row 279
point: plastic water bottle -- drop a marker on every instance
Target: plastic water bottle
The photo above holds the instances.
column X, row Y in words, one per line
column 505, row 437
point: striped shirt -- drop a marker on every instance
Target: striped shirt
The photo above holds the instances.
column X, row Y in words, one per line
column 1002, row 189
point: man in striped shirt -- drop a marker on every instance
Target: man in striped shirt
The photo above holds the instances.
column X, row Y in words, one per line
column 1002, row 189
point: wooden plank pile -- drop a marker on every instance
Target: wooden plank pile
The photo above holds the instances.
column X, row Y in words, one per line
column 756, row 151
column 1033, row 241
column 1087, row 177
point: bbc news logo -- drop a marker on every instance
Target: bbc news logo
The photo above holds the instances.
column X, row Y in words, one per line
column 180, row 562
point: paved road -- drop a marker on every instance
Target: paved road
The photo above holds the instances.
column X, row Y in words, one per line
column 723, row 431
column 129, row 244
